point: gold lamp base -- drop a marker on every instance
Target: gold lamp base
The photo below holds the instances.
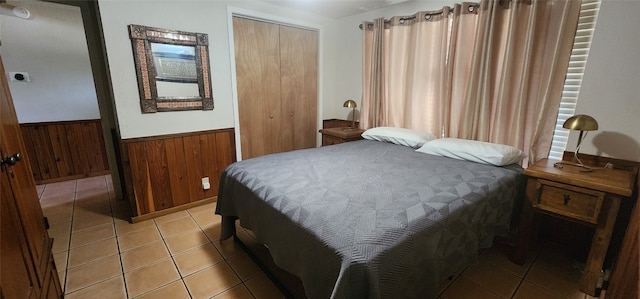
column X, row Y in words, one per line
column 351, row 104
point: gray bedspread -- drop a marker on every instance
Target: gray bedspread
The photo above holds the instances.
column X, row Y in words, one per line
column 368, row 219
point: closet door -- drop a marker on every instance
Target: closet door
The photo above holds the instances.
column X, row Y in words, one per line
column 258, row 81
column 299, row 81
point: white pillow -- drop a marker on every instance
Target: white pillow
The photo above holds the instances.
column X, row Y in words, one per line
column 401, row 136
column 474, row 151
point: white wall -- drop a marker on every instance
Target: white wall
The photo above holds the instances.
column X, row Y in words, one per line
column 610, row 88
column 208, row 17
column 51, row 47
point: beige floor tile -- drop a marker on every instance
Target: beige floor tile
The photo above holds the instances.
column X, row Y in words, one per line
column 493, row 278
column 151, row 277
column 92, row 234
column 138, row 238
column 59, row 213
column 211, row 281
column 170, row 217
column 55, row 200
column 177, row 226
column 92, row 273
column 562, row 276
column 205, row 218
column 59, row 229
column 121, row 213
column 61, row 189
column 124, row 227
column 237, row 292
column 244, row 266
column 530, row 290
column 263, row 288
column 40, row 190
column 182, row 242
column 174, row 290
column 81, row 223
column 210, row 208
column 109, row 289
column 144, row 255
column 463, row 288
column 196, row 259
column 97, row 204
column 99, row 180
column 91, row 252
column 212, row 231
column 228, row 248
column 60, row 244
column 62, row 275
column 443, row 286
column 500, row 257
column 60, row 259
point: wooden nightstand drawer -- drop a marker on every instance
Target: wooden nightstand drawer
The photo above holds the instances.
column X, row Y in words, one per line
column 330, row 140
column 339, row 135
column 570, row 201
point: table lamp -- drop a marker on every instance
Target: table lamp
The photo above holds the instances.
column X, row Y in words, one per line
column 351, row 104
column 582, row 123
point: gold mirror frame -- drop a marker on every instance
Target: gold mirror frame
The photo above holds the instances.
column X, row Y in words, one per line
column 141, row 39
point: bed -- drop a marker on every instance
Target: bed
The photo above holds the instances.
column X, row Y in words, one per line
column 369, row 219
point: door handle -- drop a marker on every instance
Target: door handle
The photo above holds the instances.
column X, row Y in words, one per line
column 11, row 160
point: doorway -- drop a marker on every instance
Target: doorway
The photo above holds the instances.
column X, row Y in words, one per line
column 66, row 94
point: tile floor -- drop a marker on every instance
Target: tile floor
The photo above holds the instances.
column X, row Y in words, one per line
column 101, row 255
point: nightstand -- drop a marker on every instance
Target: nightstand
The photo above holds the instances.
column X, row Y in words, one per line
column 340, row 135
column 590, row 198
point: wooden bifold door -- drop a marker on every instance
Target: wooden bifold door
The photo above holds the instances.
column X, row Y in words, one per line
column 277, row 81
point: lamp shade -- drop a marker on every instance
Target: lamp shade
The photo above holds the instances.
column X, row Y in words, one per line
column 350, row 104
column 581, row 122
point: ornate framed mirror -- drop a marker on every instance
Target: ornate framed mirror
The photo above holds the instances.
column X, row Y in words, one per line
column 172, row 69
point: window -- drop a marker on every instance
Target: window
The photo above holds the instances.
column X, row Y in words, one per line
column 577, row 63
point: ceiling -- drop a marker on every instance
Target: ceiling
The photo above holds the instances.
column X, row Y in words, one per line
column 335, row 8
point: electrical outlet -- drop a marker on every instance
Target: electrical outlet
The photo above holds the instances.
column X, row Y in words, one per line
column 205, row 183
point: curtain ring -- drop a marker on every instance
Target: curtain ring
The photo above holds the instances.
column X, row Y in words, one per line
column 427, row 17
column 401, row 21
column 470, row 8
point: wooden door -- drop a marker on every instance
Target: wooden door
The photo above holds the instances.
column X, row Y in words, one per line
column 21, row 207
column 299, row 85
column 17, row 270
column 258, row 82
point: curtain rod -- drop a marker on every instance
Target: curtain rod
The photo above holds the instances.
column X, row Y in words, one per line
column 451, row 10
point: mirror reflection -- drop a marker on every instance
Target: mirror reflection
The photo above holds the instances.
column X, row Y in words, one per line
column 176, row 72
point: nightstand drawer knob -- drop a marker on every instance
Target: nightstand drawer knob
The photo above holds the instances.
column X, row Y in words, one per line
column 566, row 199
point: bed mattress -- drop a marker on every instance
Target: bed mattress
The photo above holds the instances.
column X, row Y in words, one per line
column 369, row 219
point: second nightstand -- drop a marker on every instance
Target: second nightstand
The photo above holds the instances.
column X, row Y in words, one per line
column 340, row 135
column 591, row 198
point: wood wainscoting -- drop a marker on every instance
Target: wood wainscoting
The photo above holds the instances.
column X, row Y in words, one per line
column 164, row 173
column 65, row 150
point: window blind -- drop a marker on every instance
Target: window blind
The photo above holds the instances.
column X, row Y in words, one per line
column 578, row 61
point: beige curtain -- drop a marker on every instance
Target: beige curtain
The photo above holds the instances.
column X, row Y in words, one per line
column 491, row 74
column 411, row 51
